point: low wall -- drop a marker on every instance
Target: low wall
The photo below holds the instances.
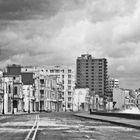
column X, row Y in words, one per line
column 116, row 114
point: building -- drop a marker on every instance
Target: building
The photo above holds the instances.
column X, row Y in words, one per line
column 81, row 99
column 92, row 73
column 123, row 98
column 29, row 98
column 113, row 83
column 65, row 75
column 20, row 76
column 47, row 91
column 28, row 77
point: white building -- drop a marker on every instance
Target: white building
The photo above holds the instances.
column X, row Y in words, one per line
column 122, row 98
column 81, row 99
column 47, row 91
column 28, row 105
column 65, row 75
column 112, row 83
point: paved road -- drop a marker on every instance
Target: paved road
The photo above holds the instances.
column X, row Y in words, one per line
column 63, row 126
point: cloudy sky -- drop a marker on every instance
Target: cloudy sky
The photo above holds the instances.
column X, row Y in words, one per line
column 55, row 32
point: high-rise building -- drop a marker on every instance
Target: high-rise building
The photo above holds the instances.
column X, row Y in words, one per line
column 92, row 73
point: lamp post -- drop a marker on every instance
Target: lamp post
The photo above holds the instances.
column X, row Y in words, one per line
column 3, row 101
column 13, row 97
column 3, row 112
column 29, row 98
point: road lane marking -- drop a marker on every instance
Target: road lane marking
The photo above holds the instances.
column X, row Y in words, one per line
column 32, row 133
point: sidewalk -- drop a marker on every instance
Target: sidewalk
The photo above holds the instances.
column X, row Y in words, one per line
column 115, row 120
column 19, row 113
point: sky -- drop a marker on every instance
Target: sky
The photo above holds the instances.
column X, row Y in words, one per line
column 56, row 32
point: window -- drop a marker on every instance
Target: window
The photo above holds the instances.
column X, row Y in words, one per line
column 63, row 93
column 41, row 91
column 51, row 71
column 69, row 98
column 69, row 105
column 69, row 87
column 62, row 76
column 69, row 93
column 41, row 81
column 48, row 94
column 57, row 71
column 69, row 81
column 69, row 70
column 15, row 90
column 9, row 87
column 69, row 76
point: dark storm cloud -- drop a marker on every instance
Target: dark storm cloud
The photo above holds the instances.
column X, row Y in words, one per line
column 26, row 9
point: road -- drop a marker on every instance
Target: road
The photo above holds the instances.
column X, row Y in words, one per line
column 63, row 126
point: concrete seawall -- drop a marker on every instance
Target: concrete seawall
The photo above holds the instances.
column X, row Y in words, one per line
column 133, row 123
column 117, row 114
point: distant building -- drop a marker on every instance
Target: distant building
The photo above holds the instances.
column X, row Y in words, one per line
column 48, row 92
column 92, row 73
column 81, row 99
column 65, row 75
column 113, row 83
column 21, row 76
column 123, row 98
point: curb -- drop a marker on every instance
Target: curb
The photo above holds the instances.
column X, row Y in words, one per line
column 113, row 122
column 1, row 115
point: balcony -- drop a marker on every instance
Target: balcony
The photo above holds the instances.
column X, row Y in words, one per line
column 32, row 97
column 42, row 97
column 42, row 85
column 16, row 96
column 1, row 91
column 53, row 100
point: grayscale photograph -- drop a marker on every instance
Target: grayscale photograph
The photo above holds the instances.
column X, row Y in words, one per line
column 69, row 70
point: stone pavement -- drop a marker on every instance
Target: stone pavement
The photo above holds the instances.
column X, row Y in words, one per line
column 115, row 120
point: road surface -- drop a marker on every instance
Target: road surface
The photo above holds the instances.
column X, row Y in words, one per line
column 63, row 126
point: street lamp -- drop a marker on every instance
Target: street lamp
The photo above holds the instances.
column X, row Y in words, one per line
column 13, row 97
column 3, row 102
column 29, row 98
column 3, row 112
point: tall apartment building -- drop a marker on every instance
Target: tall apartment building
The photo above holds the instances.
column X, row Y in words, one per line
column 92, row 73
column 65, row 75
